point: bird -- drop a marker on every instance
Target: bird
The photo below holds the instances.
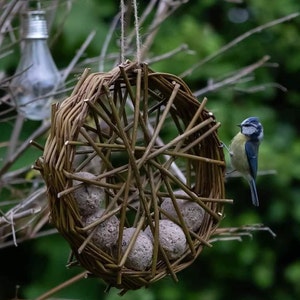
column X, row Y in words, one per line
column 243, row 152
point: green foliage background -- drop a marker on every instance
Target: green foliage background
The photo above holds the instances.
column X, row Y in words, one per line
column 257, row 268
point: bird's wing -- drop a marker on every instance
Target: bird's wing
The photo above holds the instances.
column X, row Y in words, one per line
column 251, row 149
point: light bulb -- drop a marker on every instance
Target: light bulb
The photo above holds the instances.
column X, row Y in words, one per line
column 36, row 77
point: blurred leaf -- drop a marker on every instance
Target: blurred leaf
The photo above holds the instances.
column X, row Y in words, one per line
column 142, row 294
column 292, row 274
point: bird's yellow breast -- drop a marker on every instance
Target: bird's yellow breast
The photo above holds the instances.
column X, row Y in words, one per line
column 239, row 159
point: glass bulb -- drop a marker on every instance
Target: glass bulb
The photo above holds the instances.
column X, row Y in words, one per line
column 36, row 77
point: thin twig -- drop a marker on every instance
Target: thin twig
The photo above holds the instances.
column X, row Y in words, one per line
column 14, row 139
column 40, row 131
column 159, row 17
column 167, row 55
column 148, row 10
column 262, row 87
column 232, row 233
column 20, row 215
column 160, row 143
column 237, row 40
column 60, row 26
column 259, row 173
column 107, row 40
column 79, row 53
column 6, row 17
column 232, row 79
column 25, row 238
column 63, row 285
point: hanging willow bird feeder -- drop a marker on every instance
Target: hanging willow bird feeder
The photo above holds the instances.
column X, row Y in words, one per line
column 135, row 175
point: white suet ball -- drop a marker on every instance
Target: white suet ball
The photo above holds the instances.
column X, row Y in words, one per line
column 106, row 233
column 140, row 256
column 192, row 213
column 89, row 198
column 171, row 238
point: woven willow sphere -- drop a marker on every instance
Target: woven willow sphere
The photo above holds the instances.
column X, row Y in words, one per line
column 144, row 137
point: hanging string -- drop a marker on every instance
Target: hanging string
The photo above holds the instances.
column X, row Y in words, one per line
column 136, row 27
column 123, row 9
column 137, row 32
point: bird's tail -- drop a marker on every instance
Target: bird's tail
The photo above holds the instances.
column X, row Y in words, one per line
column 254, row 195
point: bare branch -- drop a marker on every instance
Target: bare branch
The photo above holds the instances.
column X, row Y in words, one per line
column 78, row 55
column 181, row 48
column 107, row 41
column 237, row 40
column 236, row 233
column 41, row 130
column 261, row 87
column 233, row 79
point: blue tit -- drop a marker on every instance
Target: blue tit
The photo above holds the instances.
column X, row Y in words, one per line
column 244, row 152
